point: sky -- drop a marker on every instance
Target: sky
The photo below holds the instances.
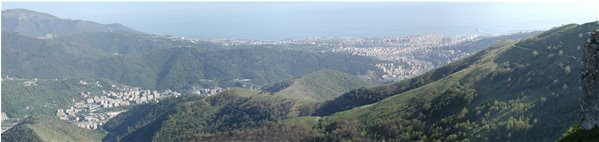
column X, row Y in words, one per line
column 293, row 20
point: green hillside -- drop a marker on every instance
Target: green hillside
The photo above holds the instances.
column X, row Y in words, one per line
column 512, row 91
column 318, row 86
column 47, row 128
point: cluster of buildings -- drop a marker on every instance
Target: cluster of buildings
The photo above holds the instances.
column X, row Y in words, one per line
column 91, row 112
column 397, row 71
column 95, row 110
column 96, row 84
column 86, row 119
column 205, row 91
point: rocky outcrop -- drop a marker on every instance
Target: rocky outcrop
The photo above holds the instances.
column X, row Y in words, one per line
column 589, row 101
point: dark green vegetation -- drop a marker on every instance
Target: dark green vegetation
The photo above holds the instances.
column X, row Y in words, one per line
column 512, row 91
column 183, row 118
column 47, row 128
column 576, row 134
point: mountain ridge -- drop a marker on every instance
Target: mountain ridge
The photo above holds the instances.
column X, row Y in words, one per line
column 43, row 25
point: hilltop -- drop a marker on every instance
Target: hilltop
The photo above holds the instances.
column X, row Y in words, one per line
column 318, row 86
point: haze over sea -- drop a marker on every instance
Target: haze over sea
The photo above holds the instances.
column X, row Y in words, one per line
column 293, row 20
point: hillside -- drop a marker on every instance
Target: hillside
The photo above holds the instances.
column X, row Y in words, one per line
column 47, row 128
column 513, row 91
column 318, row 86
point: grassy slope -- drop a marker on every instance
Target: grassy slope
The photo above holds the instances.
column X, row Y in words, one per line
column 46, row 128
column 320, row 86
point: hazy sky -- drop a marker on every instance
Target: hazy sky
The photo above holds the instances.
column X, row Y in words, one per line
column 271, row 20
